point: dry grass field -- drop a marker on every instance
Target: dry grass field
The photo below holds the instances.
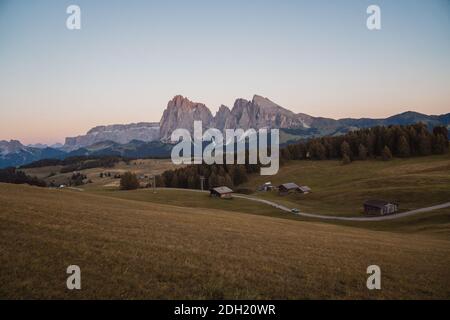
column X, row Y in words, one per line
column 135, row 249
column 434, row 223
column 341, row 190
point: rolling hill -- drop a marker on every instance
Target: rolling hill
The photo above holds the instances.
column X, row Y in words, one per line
column 341, row 189
column 133, row 249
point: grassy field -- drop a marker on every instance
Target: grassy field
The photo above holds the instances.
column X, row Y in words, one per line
column 136, row 249
column 338, row 190
column 142, row 167
column 191, row 199
column 342, row 190
column 435, row 223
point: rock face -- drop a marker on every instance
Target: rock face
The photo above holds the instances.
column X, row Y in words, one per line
column 263, row 113
column 119, row 133
column 13, row 146
column 258, row 113
column 224, row 119
column 181, row 114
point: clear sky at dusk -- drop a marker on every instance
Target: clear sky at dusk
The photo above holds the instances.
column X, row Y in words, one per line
column 131, row 57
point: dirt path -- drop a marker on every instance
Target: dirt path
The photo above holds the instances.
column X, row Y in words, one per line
column 319, row 216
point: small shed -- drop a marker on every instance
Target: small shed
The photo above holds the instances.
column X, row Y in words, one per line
column 380, row 207
column 289, row 187
column 221, row 192
column 305, row 189
column 268, row 186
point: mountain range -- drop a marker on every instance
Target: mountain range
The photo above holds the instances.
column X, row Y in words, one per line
column 146, row 139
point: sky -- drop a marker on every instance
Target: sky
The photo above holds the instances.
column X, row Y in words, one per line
column 131, row 57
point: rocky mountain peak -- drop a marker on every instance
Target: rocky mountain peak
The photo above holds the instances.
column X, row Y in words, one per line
column 224, row 119
column 263, row 102
column 181, row 114
column 258, row 113
column 11, row 146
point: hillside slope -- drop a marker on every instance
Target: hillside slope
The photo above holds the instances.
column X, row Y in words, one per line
column 132, row 249
column 342, row 189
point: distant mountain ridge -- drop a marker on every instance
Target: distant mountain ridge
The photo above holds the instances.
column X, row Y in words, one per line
column 13, row 153
column 145, row 139
column 261, row 112
column 120, row 133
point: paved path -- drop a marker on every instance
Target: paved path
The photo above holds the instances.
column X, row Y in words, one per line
column 319, row 216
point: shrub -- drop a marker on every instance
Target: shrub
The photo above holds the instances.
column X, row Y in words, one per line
column 129, row 181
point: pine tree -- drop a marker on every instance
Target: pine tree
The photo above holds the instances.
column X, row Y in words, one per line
column 345, row 149
column 440, row 144
column 424, row 144
column 212, row 180
column 386, row 154
column 362, row 152
column 346, row 159
column 160, row 181
column 129, row 181
column 403, row 147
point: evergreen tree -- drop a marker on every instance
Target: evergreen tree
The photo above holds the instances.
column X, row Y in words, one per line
column 129, row 181
column 160, row 183
column 386, row 154
column 345, row 149
column 440, row 144
column 424, row 144
column 403, row 147
column 362, row 152
column 346, row 159
column 227, row 181
column 212, row 180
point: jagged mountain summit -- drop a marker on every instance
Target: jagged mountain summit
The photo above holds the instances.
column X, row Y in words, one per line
column 258, row 113
column 181, row 113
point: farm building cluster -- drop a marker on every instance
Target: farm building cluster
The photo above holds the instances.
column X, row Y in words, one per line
column 286, row 188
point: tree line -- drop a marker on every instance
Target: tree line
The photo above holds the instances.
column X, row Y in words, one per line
column 12, row 175
column 372, row 143
column 77, row 163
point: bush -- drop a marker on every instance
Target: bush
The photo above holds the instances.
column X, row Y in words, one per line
column 129, row 181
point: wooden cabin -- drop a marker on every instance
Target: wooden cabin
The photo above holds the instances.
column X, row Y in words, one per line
column 289, row 187
column 268, row 186
column 380, row 207
column 221, row 192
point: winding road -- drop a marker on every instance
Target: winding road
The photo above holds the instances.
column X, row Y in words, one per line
column 323, row 217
